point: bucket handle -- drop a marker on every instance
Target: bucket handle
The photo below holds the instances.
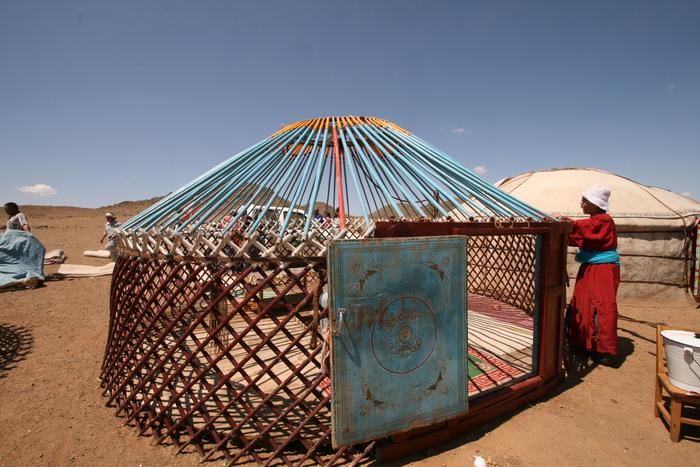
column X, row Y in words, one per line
column 689, row 355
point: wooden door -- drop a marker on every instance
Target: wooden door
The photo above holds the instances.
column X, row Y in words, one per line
column 399, row 334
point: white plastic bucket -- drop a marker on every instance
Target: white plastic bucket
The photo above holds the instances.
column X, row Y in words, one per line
column 683, row 359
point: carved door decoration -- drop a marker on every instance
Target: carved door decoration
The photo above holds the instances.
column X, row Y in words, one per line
column 399, row 334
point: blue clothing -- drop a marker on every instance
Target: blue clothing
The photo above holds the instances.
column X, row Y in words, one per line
column 21, row 257
column 598, row 257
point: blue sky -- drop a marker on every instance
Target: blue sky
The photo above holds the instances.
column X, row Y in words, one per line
column 110, row 101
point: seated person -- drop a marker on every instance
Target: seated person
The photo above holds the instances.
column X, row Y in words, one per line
column 17, row 221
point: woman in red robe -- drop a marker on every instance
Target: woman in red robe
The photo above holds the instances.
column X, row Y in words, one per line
column 592, row 314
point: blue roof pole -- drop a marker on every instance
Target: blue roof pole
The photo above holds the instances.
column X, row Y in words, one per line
column 191, row 197
column 158, row 211
column 265, row 160
column 266, row 166
column 308, row 132
column 487, row 189
column 350, row 163
column 317, row 182
column 301, row 187
column 365, row 129
column 377, row 179
column 145, row 214
column 398, row 167
column 271, row 168
column 241, row 193
column 411, row 153
column 469, row 192
column 409, row 158
column 457, row 178
column 227, row 191
column 399, row 158
column 525, row 210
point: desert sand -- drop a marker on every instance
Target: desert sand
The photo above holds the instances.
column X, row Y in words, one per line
column 52, row 411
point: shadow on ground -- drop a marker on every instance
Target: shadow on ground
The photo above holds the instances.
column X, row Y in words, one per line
column 15, row 344
column 579, row 365
column 689, row 433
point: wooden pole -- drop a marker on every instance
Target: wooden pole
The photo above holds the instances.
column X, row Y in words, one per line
column 338, row 175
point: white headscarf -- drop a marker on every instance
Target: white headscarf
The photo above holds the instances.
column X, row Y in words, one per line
column 598, row 195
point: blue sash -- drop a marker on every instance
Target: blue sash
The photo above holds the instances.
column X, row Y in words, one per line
column 598, row 257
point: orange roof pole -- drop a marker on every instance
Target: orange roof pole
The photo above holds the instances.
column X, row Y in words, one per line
column 338, row 176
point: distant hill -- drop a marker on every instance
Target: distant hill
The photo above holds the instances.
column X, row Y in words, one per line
column 132, row 205
column 388, row 210
column 123, row 210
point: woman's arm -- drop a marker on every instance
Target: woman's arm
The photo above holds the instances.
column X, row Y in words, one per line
column 23, row 222
column 593, row 234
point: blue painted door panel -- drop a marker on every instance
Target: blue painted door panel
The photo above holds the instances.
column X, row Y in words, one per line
column 398, row 316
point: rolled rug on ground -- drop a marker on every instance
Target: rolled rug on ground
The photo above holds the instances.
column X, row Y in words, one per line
column 82, row 270
column 96, row 253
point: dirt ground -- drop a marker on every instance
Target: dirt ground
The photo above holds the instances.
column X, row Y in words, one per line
column 52, row 411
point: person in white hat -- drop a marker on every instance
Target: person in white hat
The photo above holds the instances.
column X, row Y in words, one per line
column 592, row 312
column 111, row 235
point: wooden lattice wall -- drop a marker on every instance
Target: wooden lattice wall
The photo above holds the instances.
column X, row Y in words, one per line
column 225, row 359
column 503, row 267
column 229, row 358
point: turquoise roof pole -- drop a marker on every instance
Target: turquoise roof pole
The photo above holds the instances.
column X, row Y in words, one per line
column 351, row 165
column 393, row 172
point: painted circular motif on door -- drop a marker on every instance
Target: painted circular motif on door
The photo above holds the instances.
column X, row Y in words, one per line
column 404, row 335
